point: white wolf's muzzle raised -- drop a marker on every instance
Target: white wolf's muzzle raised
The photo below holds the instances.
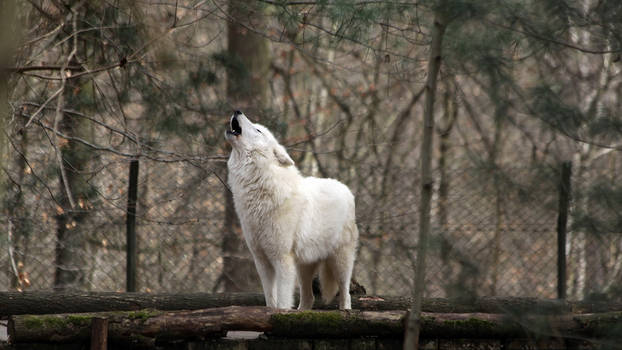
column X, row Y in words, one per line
column 235, row 128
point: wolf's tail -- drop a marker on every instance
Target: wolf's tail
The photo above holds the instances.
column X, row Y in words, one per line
column 328, row 282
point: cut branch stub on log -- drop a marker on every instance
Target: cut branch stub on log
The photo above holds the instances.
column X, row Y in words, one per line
column 99, row 333
column 150, row 327
column 19, row 303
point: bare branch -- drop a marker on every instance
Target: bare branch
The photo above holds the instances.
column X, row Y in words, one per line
column 175, row 157
column 41, row 107
column 59, row 116
column 44, row 67
column 354, row 3
column 86, row 71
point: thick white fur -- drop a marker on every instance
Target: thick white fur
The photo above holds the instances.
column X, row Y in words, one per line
column 293, row 225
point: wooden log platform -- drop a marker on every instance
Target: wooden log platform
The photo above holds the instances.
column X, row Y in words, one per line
column 148, row 320
column 149, row 327
column 18, row 303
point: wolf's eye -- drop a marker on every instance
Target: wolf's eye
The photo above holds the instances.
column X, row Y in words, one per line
column 259, row 131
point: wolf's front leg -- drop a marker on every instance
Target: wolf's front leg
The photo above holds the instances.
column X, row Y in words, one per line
column 285, row 273
column 267, row 277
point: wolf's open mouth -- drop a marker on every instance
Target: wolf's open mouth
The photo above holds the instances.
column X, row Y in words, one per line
column 236, row 129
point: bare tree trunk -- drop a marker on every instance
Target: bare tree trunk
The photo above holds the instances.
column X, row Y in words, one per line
column 494, row 151
column 247, row 88
column 449, row 117
column 70, row 238
column 131, row 248
column 17, row 212
column 595, row 264
column 73, row 158
column 411, row 337
column 496, row 240
column 7, row 12
column 578, row 238
column 69, row 241
column 320, row 114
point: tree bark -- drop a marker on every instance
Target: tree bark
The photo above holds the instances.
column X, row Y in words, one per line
column 8, row 42
column 73, row 159
column 450, row 113
column 247, row 88
column 17, row 303
column 130, row 228
column 99, row 333
column 148, row 326
column 411, row 338
column 562, row 226
column 17, row 212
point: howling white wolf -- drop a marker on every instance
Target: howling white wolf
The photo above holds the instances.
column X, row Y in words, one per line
column 293, row 225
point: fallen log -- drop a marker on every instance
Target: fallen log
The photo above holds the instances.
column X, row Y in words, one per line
column 18, row 303
column 151, row 327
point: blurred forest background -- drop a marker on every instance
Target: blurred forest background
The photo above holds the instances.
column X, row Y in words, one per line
column 88, row 88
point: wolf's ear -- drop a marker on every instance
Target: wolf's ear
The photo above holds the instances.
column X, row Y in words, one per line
column 282, row 156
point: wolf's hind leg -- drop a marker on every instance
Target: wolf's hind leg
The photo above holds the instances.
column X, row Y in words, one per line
column 305, row 281
column 341, row 263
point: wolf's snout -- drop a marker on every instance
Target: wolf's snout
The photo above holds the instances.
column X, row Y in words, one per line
column 235, row 128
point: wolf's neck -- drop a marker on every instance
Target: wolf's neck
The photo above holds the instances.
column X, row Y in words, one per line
column 269, row 186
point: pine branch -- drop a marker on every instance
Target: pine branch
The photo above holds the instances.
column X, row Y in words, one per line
column 541, row 37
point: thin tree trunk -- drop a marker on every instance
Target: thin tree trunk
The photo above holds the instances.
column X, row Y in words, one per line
column 7, row 42
column 496, row 240
column 494, row 150
column 69, row 259
column 562, row 224
column 580, row 237
column 411, row 338
column 17, row 212
column 131, row 248
column 449, row 117
column 73, row 157
column 247, row 88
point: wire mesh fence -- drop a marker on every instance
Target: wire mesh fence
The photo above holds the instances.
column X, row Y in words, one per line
column 494, row 232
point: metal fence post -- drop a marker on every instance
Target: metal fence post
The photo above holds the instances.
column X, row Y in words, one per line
column 132, row 195
column 562, row 222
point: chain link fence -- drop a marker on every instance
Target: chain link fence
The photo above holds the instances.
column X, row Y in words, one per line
column 494, row 230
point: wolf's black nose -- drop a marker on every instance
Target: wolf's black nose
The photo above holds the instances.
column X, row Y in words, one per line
column 236, row 113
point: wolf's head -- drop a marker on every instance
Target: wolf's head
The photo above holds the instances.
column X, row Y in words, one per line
column 251, row 139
